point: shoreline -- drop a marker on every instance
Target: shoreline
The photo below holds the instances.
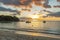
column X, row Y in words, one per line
column 11, row 35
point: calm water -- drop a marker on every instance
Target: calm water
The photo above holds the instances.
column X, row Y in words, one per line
column 49, row 26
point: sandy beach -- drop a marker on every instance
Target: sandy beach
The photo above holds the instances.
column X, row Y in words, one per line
column 11, row 35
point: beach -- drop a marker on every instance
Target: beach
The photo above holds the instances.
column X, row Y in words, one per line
column 11, row 35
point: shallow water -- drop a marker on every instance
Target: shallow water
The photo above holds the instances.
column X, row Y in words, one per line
column 48, row 26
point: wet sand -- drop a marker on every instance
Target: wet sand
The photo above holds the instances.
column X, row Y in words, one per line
column 11, row 35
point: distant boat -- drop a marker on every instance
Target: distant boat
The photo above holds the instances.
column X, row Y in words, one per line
column 28, row 21
column 44, row 21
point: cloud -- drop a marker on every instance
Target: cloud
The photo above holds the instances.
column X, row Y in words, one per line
column 4, row 9
column 16, row 2
column 57, row 14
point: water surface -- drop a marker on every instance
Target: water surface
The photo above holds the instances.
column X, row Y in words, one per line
column 48, row 26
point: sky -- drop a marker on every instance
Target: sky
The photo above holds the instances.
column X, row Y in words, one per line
column 53, row 2
column 7, row 4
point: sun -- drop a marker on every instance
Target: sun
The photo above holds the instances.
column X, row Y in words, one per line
column 34, row 16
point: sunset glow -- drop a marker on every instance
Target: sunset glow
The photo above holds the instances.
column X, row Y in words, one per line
column 33, row 7
column 34, row 16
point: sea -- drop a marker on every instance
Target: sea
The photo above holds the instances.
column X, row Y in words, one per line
column 52, row 27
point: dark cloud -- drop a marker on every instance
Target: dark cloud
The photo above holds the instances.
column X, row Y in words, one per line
column 57, row 14
column 16, row 2
column 4, row 9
